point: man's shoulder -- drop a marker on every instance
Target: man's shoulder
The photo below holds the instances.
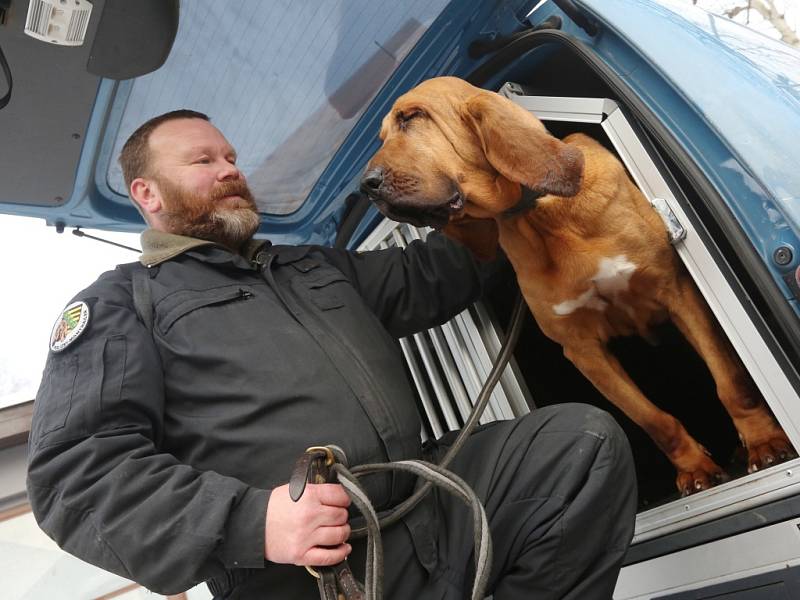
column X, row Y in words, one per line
column 110, row 294
column 113, row 286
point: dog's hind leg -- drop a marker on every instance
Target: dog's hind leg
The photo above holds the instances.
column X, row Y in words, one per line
column 696, row 470
column 761, row 434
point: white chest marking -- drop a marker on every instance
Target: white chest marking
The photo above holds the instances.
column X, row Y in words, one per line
column 588, row 299
column 612, row 278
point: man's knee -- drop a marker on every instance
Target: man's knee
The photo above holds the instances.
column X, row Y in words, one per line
column 587, row 421
column 577, row 417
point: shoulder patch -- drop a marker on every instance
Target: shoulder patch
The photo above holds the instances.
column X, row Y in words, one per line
column 69, row 326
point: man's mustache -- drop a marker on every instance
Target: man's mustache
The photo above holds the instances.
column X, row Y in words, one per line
column 233, row 188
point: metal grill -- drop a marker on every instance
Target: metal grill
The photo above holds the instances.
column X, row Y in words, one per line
column 78, row 23
column 39, row 17
column 450, row 363
column 58, row 21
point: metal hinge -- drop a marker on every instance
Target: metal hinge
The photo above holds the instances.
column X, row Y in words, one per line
column 511, row 89
column 675, row 230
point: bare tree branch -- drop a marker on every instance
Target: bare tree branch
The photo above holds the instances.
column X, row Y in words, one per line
column 767, row 9
column 732, row 12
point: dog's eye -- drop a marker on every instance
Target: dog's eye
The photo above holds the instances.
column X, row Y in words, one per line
column 404, row 118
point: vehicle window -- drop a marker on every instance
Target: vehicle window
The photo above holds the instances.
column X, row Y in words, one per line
column 285, row 87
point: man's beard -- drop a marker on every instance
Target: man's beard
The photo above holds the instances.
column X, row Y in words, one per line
column 207, row 218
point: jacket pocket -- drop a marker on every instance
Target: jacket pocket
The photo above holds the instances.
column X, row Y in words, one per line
column 54, row 398
column 326, row 288
column 114, row 358
column 186, row 302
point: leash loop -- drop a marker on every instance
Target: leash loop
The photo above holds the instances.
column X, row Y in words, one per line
column 316, row 465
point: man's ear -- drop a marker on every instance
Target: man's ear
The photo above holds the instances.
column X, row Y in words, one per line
column 479, row 235
column 520, row 148
column 145, row 193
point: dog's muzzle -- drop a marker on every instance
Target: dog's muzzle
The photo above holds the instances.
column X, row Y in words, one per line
column 409, row 209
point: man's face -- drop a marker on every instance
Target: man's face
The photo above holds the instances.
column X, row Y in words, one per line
column 203, row 193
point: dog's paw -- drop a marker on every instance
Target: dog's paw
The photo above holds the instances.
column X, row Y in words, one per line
column 769, row 453
column 691, row 482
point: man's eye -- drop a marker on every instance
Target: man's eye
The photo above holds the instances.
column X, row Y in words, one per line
column 203, row 160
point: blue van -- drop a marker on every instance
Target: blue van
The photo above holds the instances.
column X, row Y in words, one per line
column 703, row 113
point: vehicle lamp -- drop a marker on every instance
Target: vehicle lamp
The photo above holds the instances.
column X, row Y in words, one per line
column 62, row 22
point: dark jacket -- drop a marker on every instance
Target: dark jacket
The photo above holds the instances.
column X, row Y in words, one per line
column 153, row 453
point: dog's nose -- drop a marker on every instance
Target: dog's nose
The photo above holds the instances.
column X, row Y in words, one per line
column 372, row 180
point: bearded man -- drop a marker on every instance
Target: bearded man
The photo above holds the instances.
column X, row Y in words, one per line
column 171, row 412
column 192, row 188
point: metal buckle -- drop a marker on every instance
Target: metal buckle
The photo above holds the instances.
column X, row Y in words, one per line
column 313, row 572
column 330, row 458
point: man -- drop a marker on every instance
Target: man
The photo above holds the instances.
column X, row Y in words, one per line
column 161, row 452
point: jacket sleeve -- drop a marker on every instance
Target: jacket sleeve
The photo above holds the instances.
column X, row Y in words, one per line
column 418, row 287
column 100, row 486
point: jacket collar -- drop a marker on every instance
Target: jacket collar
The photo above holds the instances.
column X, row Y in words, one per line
column 159, row 246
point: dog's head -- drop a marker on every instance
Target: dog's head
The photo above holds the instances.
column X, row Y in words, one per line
column 453, row 153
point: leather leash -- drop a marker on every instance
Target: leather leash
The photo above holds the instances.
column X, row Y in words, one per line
column 328, row 464
column 315, row 465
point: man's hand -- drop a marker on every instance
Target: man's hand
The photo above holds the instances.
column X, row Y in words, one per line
column 312, row 531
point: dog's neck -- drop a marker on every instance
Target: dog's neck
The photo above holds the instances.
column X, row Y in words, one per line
column 523, row 244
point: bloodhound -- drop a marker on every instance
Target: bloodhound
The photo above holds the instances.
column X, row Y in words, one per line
column 591, row 256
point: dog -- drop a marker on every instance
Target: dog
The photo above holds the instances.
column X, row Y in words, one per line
column 591, row 255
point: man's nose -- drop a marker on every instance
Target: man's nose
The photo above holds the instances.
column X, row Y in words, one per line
column 372, row 180
column 228, row 171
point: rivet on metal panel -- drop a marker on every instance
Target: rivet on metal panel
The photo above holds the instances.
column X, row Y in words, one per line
column 782, row 255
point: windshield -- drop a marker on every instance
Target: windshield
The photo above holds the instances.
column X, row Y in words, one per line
column 285, row 86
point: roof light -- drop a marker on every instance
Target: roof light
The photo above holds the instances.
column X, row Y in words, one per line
column 62, row 22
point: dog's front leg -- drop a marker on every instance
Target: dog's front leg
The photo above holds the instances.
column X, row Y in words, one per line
column 696, row 470
column 766, row 442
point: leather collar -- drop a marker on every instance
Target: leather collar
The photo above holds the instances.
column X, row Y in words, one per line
column 526, row 202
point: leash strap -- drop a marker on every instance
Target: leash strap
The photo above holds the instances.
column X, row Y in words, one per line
column 142, row 297
column 316, row 465
column 432, row 474
column 7, row 72
column 331, row 463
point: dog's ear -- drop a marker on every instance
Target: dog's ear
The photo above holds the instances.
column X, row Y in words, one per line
column 520, row 148
column 479, row 235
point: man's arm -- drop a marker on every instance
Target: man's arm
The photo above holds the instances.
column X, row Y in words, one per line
column 99, row 483
column 418, row 287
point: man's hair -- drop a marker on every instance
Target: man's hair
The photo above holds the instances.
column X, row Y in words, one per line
column 135, row 156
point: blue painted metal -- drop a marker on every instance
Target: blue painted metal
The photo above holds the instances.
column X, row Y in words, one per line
column 730, row 97
column 85, row 207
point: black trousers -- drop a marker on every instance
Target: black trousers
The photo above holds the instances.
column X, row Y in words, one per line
column 559, row 490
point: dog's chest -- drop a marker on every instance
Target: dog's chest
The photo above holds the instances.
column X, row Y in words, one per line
column 607, row 286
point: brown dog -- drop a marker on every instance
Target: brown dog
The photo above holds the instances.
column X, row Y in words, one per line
column 591, row 256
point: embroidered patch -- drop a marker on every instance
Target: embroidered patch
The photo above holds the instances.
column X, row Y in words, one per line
column 69, row 326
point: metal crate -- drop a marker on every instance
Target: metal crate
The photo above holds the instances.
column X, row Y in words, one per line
column 450, row 363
